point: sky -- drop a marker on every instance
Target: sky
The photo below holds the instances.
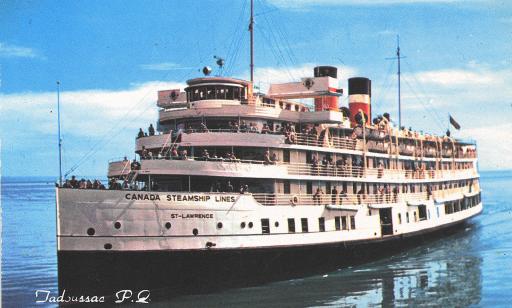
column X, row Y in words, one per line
column 111, row 58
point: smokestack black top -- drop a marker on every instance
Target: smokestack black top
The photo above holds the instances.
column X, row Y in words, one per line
column 323, row 71
column 359, row 85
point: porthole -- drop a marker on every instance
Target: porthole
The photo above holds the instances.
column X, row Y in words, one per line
column 117, row 225
column 91, row 231
column 276, row 224
column 250, row 224
column 168, row 225
column 242, row 225
column 195, row 232
column 219, row 225
column 108, row 246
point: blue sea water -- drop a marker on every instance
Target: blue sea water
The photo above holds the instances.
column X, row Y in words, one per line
column 472, row 267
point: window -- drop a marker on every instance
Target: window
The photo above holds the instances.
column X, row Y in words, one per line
column 291, row 225
column 321, row 224
column 337, row 224
column 286, row 187
column 352, row 222
column 399, row 218
column 344, row 223
column 437, row 210
column 286, row 155
column 304, row 224
column 265, row 226
column 407, row 217
column 309, row 188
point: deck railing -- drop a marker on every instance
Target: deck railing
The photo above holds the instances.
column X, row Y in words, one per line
column 349, row 143
column 330, row 170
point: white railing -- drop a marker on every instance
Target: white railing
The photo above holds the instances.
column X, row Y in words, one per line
column 339, row 199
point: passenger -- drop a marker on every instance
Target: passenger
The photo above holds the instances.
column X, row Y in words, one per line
column 205, row 155
column 266, row 157
column 134, row 186
column 380, row 170
column 144, row 153
column 83, row 184
column 380, row 194
column 67, row 184
column 140, row 134
column 334, row 195
column 314, row 164
column 73, row 182
column 265, row 129
column 125, row 185
column 395, row 194
column 243, row 127
column 184, row 155
column 360, row 196
column 174, row 153
column 95, row 184
column 274, row 158
column 253, row 129
column 229, row 187
column 317, row 197
column 343, row 195
column 204, row 129
column 150, row 155
column 151, row 130
column 101, row 186
column 387, row 193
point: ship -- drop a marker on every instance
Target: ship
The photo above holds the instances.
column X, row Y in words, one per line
column 238, row 185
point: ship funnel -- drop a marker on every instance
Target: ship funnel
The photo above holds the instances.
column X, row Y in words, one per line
column 326, row 102
column 359, row 98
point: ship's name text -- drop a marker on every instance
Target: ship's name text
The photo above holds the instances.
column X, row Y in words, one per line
column 180, row 198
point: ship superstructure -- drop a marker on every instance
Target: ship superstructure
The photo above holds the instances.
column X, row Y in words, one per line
column 232, row 170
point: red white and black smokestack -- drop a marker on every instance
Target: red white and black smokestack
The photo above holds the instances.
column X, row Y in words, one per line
column 326, row 102
column 359, row 98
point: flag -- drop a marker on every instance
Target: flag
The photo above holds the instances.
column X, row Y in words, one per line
column 454, row 123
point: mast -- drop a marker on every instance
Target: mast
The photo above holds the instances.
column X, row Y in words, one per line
column 251, row 30
column 398, row 73
column 58, row 133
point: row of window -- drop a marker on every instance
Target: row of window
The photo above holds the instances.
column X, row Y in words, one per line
column 451, row 207
column 340, row 223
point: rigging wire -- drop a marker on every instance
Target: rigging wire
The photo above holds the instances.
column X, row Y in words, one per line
column 425, row 106
column 385, row 85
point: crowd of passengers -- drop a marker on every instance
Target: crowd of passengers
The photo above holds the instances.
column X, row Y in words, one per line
column 355, row 169
column 82, row 184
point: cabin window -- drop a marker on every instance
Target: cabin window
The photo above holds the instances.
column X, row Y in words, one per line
column 286, row 155
column 422, row 212
column 321, row 224
column 344, row 223
column 352, row 222
column 291, row 225
column 407, row 217
column 399, row 218
column 309, row 188
column 286, row 187
column 437, row 211
column 304, row 224
column 265, row 226
column 337, row 224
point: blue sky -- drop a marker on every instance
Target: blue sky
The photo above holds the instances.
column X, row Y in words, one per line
column 112, row 56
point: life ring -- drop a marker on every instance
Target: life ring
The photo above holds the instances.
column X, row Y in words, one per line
column 294, row 200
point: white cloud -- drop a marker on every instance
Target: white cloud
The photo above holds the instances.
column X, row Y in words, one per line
column 459, row 77
column 7, row 50
column 85, row 112
column 163, row 66
column 494, row 145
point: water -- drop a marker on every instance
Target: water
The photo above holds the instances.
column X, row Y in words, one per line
column 469, row 268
